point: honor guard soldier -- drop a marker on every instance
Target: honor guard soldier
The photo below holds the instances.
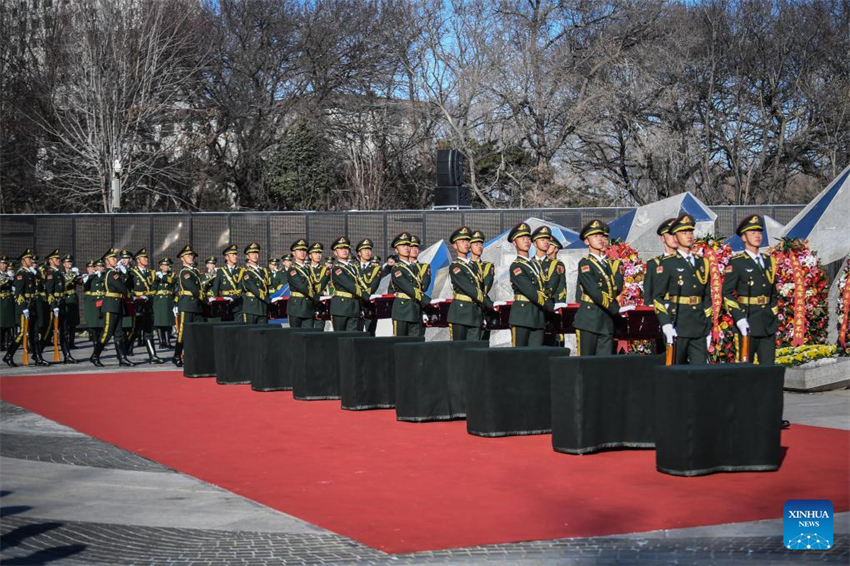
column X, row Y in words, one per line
column 750, row 295
column 275, row 276
column 320, row 275
column 93, row 288
column 255, row 288
column 345, row 305
column 684, row 280
column 300, row 309
column 115, row 293
column 599, row 284
column 369, row 273
column 528, row 313
column 24, row 288
column 555, row 281
column 89, row 308
column 668, row 241
column 43, row 310
column 409, row 291
column 286, row 264
column 73, row 279
column 54, row 286
column 189, row 296
column 7, row 303
column 128, row 322
column 209, row 276
column 228, row 281
column 163, row 302
column 466, row 312
column 486, row 269
column 423, row 268
column 144, row 292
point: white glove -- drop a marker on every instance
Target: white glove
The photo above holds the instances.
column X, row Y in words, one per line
column 159, row 274
column 56, row 312
column 326, row 297
column 669, row 332
column 436, row 301
column 424, row 319
column 143, row 297
column 85, row 277
column 27, row 314
column 708, row 340
column 560, row 306
column 743, row 326
column 176, row 311
column 75, row 270
column 230, row 299
column 122, row 268
column 499, row 303
column 376, row 296
column 276, row 299
column 627, row 308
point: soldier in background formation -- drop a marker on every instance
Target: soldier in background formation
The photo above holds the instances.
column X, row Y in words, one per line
column 189, row 297
column 163, row 302
column 7, row 303
column 369, row 273
column 256, row 281
column 466, row 313
column 409, row 288
column 143, row 289
column 25, row 293
column 669, row 244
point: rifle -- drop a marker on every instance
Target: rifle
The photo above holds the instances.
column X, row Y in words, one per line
column 745, row 339
column 26, row 332
column 670, row 351
column 55, row 339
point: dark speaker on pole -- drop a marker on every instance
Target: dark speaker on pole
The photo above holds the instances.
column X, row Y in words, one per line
column 449, row 168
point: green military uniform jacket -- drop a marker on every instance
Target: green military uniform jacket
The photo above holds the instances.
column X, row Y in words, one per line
column 749, row 292
column 424, row 270
column 599, row 285
column 688, row 295
column 370, row 278
column 649, row 278
column 92, row 293
column 300, row 292
column 115, row 291
column 25, row 289
column 7, row 300
column 189, row 291
column 228, row 283
column 163, row 300
column 555, row 280
column 486, row 273
column 320, row 276
column 71, row 282
column 255, row 291
column 530, row 301
column 468, row 300
column 42, row 306
column 347, row 290
column 54, row 287
column 409, row 292
column 277, row 280
column 142, row 283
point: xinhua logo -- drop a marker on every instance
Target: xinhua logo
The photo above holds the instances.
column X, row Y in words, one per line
column 807, row 524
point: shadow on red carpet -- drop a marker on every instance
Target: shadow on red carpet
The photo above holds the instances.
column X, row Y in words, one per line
column 403, row 487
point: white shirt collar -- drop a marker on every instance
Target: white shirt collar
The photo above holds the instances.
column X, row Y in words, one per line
column 755, row 257
column 603, row 258
column 687, row 257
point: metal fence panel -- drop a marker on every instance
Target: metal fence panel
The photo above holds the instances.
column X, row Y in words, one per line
column 210, row 235
column 248, row 228
column 90, row 243
column 326, row 228
column 285, row 228
column 489, row 222
column 404, row 221
column 368, row 225
column 439, row 226
column 170, row 233
column 53, row 232
column 133, row 232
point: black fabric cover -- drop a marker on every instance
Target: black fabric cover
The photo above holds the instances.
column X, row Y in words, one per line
column 601, row 402
column 315, row 364
column 430, row 380
column 233, row 352
column 271, row 367
column 720, row 418
column 367, row 371
column 198, row 359
column 508, row 391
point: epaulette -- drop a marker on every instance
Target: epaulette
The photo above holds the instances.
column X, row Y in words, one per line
column 666, row 257
column 739, row 255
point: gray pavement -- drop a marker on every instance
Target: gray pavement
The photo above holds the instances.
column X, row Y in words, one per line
column 68, row 498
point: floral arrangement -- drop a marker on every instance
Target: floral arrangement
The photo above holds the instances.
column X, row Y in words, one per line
column 802, row 286
column 791, row 356
column 722, row 347
column 841, row 310
column 634, row 270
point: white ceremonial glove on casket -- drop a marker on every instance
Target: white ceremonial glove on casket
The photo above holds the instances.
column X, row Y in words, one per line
column 424, row 319
column 373, row 297
column 560, row 306
column 743, row 326
column 627, row 308
column 669, row 332
column 708, row 341
column 230, row 299
column 499, row 303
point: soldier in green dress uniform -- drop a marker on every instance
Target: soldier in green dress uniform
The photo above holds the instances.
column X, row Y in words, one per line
column 410, row 295
column 256, row 294
column 208, row 278
column 43, row 311
column 285, row 266
column 228, row 281
column 275, row 276
column 555, row 281
column 189, row 296
column 486, row 269
column 600, row 282
column 115, row 293
column 750, row 295
column 530, row 305
column 25, row 292
column 668, row 240
column 320, row 274
column 127, row 322
column 73, row 280
column 163, row 302
column 682, row 282
column 93, row 293
column 347, row 292
column 424, row 269
column 369, row 273
column 300, row 310
column 468, row 298
column 54, row 285
column 7, row 303
column 143, row 291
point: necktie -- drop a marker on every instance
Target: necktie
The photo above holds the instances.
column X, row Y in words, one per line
column 761, row 262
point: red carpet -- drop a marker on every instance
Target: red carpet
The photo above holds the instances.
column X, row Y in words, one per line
column 405, row 487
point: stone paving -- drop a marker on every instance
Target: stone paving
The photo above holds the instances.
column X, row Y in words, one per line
column 67, row 498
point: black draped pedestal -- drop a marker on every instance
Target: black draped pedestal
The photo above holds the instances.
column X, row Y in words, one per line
column 315, row 364
column 198, row 359
column 233, row 352
column 718, row 418
column 601, row 402
column 508, row 391
column 367, row 371
column 430, row 380
column 270, row 367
